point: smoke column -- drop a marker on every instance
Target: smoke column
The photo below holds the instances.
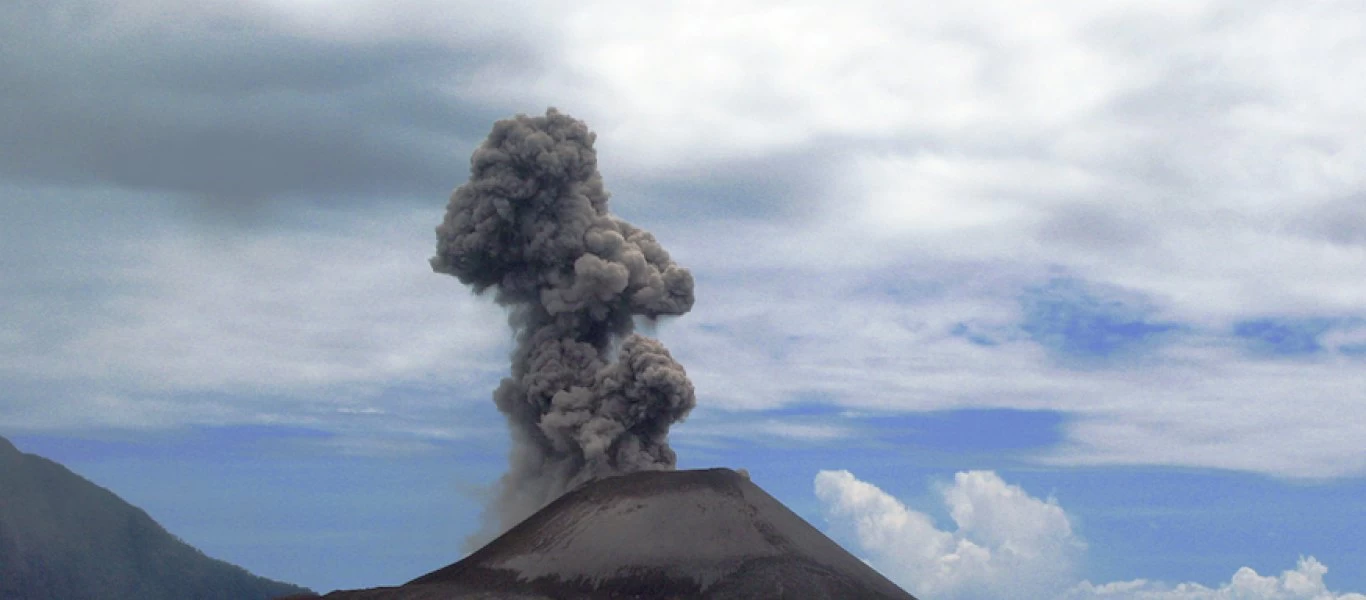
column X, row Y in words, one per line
column 586, row 398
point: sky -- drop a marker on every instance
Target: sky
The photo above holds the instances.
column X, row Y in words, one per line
column 1064, row 299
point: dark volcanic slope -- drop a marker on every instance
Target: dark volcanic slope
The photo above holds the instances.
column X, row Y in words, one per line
column 65, row 538
column 661, row 534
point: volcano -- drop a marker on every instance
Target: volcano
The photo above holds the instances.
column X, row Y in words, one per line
column 710, row 534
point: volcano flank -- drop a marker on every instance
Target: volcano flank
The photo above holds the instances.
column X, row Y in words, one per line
column 654, row 534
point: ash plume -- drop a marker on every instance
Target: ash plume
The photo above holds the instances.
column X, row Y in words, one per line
column 587, row 397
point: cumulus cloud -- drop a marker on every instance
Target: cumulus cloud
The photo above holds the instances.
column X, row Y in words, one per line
column 1304, row 582
column 1009, row 544
column 1006, row 543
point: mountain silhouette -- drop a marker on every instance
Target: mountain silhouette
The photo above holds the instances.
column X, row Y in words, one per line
column 709, row 534
column 65, row 538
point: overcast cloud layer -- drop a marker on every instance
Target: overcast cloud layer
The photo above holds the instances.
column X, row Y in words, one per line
column 975, row 192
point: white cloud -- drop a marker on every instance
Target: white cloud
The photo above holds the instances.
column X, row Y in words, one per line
column 747, row 77
column 708, row 427
column 1155, row 146
column 167, row 323
column 867, row 340
column 284, row 310
column 1008, row 544
column 1179, row 150
column 1147, row 144
column 1304, row 582
column 1348, row 337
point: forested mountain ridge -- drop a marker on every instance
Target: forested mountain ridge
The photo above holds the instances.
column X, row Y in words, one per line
column 63, row 537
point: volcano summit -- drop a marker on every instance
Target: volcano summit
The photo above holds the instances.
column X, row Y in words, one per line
column 709, row 534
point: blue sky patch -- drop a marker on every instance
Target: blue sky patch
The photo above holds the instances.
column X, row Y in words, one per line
column 193, row 442
column 974, row 333
column 976, row 430
column 1078, row 320
column 1271, row 336
column 1191, row 524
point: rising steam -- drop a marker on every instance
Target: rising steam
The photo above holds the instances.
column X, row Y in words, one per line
column 587, row 398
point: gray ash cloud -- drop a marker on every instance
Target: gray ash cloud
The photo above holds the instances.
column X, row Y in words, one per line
column 587, row 397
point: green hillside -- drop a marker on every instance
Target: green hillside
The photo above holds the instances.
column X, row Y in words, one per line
column 65, row 538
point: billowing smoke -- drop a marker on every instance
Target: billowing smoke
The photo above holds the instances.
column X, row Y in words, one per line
column 587, row 398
